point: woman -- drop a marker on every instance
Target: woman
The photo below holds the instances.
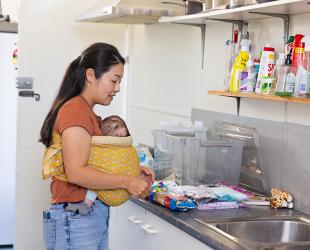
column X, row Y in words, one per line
column 92, row 78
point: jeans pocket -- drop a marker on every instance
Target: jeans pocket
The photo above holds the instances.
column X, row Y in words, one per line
column 49, row 233
column 90, row 212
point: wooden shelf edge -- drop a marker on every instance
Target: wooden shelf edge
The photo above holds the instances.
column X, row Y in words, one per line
column 260, row 96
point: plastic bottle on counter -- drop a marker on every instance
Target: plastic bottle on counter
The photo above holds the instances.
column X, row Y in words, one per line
column 266, row 68
column 302, row 88
column 239, row 65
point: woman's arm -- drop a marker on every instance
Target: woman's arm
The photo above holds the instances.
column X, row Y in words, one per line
column 76, row 143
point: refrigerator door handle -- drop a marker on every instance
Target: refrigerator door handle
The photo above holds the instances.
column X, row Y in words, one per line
column 29, row 93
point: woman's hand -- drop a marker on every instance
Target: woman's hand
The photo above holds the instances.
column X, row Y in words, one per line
column 148, row 172
column 138, row 186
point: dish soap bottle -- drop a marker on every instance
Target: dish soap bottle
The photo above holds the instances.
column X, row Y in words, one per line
column 239, row 66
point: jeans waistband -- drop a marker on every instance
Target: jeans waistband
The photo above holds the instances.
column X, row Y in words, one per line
column 62, row 205
column 56, row 206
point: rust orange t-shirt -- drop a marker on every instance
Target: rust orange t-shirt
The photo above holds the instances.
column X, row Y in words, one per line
column 75, row 112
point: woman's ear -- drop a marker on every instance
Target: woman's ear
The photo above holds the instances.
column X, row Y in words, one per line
column 90, row 75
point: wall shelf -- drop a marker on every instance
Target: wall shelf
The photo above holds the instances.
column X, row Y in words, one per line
column 261, row 97
column 245, row 13
column 276, row 98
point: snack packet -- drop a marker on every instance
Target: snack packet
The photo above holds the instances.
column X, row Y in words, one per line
column 172, row 201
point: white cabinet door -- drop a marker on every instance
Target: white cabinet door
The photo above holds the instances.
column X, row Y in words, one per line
column 129, row 234
column 134, row 228
column 160, row 234
column 113, row 228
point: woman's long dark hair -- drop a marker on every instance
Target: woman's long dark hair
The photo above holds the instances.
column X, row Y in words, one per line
column 100, row 57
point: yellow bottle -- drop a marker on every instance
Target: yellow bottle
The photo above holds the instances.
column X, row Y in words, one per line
column 239, row 66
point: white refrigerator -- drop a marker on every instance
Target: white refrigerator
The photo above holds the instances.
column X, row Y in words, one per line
column 8, row 130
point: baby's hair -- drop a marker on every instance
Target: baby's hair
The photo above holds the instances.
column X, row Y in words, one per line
column 114, row 126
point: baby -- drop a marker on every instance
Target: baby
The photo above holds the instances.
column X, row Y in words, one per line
column 110, row 126
column 114, row 126
column 111, row 153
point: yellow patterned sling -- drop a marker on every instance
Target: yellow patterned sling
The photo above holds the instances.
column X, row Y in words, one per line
column 112, row 155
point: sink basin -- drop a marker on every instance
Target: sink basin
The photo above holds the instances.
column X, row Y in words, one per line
column 275, row 231
column 288, row 247
column 266, row 233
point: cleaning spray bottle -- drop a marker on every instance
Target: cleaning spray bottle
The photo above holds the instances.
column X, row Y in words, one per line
column 302, row 86
column 239, row 65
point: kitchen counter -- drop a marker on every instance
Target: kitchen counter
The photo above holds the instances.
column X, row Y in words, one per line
column 186, row 220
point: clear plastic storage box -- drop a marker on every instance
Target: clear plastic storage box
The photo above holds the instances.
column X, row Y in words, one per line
column 191, row 159
column 251, row 173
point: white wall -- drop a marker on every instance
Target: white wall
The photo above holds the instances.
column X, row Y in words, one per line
column 166, row 75
column 49, row 41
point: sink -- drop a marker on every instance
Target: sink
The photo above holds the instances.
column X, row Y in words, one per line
column 274, row 231
column 287, row 233
column 288, row 247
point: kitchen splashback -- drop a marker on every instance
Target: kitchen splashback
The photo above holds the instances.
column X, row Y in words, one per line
column 285, row 151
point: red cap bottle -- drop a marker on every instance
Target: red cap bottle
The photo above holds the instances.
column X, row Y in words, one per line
column 298, row 54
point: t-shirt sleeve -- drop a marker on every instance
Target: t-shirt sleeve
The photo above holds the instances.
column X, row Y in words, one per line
column 74, row 114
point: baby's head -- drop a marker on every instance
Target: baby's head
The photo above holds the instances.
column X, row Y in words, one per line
column 114, row 126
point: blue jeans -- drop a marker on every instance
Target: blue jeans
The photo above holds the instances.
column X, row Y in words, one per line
column 64, row 230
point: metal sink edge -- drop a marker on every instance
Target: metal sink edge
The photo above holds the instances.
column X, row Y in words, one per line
column 251, row 245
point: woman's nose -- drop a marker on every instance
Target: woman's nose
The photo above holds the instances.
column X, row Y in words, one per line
column 117, row 87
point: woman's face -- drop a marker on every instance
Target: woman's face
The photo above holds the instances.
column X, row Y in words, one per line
column 108, row 85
